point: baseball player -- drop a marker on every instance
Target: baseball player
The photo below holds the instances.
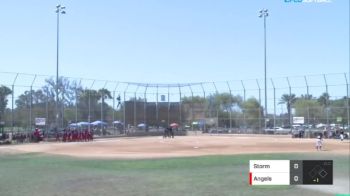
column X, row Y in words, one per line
column 342, row 135
column 319, row 142
column 171, row 132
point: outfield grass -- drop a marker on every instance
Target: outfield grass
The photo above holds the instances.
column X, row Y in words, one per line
column 44, row 175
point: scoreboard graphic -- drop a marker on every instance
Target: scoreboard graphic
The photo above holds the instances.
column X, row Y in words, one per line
column 290, row 172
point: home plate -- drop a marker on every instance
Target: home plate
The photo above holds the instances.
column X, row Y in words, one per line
column 195, row 147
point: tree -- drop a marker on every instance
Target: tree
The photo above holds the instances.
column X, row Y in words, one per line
column 34, row 100
column 289, row 100
column 226, row 101
column 338, row 109
column 306, row 97
column 311, row 110
column 4, row 92
column 104, row 94
column 23, row 100
column 253, row 110
column 223, row 102
column 39, row 97
column 194, row 99
column 88, row 98
column 66, row 90
column 195, row 104
column 324, row 100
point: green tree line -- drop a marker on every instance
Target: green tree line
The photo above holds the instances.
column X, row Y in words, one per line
column 231, row 110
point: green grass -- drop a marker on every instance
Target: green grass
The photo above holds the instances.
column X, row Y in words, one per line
column 44, row 175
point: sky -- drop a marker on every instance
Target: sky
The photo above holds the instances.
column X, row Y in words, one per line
column 158, row 41
column 182, row 41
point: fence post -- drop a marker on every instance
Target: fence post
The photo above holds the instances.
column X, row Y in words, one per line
column 103, row 100
column 180, row 107
column 205, row 123
column 47, row 110
column 135, row 107
column 217, row 109
column 135, row 120
column 192, row 118
column 274, row 103
column 145, row 106
column 290, row 105
column 89, row 117
column 327, row 101
column 168, row 106
column 229, row 88
column 347, row 100
column 76, row 102
column 62, row 107
column 113, row 111
column 12, row 108
column 308, row 106
column 157, row 117
column 257, row 82
column 31, row 104
column 244, row 96
column 124, row 112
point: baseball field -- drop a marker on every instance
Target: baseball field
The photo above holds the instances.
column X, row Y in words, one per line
column 185, row 165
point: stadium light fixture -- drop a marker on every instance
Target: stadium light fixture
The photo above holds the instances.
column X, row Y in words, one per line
column 59, row 10
column 263, row 14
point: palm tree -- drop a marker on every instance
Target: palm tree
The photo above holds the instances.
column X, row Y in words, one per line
column 104, row 94
column 289, row 100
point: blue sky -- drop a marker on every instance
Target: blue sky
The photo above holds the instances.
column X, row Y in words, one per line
column 174, row 41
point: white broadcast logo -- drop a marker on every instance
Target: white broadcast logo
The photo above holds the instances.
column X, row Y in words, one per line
column 308, row 1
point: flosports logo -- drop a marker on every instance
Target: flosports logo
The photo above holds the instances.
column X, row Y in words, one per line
column 308, row 1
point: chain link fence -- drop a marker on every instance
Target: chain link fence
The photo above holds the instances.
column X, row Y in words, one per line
column 113, row 108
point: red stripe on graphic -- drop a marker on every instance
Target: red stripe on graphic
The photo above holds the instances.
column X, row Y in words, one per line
column 250, row 178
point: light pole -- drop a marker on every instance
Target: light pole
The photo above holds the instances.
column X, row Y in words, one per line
column 59, row 10
column 264, row 13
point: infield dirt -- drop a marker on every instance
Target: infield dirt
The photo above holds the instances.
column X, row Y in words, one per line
column 181, row 146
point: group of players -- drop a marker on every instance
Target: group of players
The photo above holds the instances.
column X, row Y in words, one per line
column 75, row 135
